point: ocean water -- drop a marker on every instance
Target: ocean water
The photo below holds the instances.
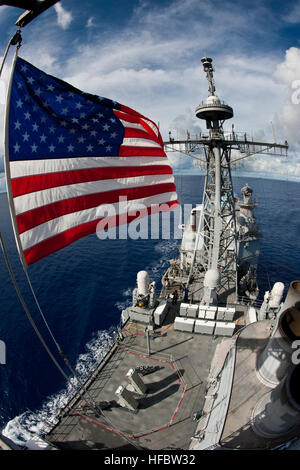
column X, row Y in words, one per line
column 83, row 288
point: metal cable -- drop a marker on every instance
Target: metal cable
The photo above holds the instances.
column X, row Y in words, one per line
column 16, row 40
column 26, row 309
column 40, row 310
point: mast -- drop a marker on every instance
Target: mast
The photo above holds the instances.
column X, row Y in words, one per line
column 219, row 251
column 216, row 266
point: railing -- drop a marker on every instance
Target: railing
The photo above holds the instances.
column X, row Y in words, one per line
column 241, row 139
column 213, row 105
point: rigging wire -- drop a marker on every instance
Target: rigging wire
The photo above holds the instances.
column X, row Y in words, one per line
column 96, row 406
column 60, row 351
column 16, row 40
column 41, row 312
column 25, row 307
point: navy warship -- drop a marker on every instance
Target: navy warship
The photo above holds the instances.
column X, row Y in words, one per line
column 201, row 364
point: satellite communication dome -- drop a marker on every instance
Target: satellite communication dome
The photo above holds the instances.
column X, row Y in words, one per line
column 143, row 282
column 213, row 100
column 212, row 278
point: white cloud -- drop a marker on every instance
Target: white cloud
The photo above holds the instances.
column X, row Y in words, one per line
column 117, row 70
column 275, row 167
column 288, row 74
column 293, row 16
column 64, row 17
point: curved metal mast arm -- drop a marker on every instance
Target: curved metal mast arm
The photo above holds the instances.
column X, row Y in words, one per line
column 16, row 39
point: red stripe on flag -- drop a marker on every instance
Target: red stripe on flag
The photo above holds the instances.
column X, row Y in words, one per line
column 130, row 111
column 141, row 134
column 30, row 184
column 130, row 151
column 40, row 215
column 127, row 117
column 138, row 119
column 55, row 243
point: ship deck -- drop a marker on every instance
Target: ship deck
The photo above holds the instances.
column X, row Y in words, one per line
column 180, row 364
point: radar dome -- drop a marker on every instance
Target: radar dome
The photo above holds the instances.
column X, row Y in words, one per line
column 143, row 282
column 212, row 278
column 213, row 100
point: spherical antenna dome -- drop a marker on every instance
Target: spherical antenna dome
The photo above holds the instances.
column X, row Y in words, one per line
column 212, row 278
column 213, row 100
column 143, row 282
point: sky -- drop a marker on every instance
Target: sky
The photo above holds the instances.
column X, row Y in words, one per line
column 147, row 55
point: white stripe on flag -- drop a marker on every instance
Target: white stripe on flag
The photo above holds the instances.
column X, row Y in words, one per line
column 60, row 224
column 132, row 125
column 150, row 124
column 48, row 196
column 36, row 167
column 136, row 142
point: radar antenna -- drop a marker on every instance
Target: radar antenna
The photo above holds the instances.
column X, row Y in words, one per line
column 208, row 68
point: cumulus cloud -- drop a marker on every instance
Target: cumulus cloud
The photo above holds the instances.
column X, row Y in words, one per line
column 293, row 16
column 64, row 17
column 165, row 92
column 275, row 167
column 285, row 120
column 185, row 125
column 288, row 74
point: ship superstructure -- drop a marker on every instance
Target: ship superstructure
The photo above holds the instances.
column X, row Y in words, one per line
column 222, row 252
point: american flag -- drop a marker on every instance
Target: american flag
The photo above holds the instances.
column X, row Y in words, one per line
column 68, row 153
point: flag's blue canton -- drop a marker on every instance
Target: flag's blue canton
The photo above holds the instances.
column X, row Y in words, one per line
column 51, row 119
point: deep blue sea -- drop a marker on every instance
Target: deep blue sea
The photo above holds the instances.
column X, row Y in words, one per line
column 83, row 288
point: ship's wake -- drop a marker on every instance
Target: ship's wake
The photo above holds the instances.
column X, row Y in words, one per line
column 23, row 427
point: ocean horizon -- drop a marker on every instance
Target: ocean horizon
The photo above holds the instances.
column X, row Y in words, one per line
column 240, row 174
